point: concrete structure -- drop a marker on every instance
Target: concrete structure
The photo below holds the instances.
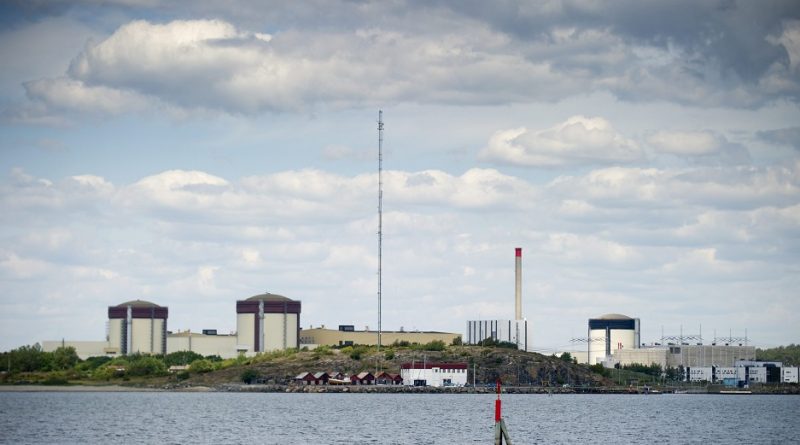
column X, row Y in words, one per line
column 789, row 374
column 267, row 322
column 684, row 355
column 137, row 326
column 346, row 335
column 434, row 374
column 225, row 346
column 610, row 333
column 518, row 283
column 512, row 331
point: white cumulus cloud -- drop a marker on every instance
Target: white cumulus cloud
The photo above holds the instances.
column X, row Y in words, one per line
column 578, row 140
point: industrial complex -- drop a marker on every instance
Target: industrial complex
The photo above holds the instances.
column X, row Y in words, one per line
column 269, row 322
column 511, row 331
column 265, row 322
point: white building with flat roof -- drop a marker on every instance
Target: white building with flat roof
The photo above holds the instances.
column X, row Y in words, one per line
column 434, row 374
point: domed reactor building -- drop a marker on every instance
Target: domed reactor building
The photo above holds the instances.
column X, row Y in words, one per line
column 137, row 326
column 611, row 332
column 267, row 322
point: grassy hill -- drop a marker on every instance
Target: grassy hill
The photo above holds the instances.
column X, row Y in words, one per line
column 489, row 363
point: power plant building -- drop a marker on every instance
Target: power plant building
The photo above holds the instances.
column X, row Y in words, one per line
column 267, row 322
column 137, row 326
column 347, row 335
column 512, row 331
column 688, row 356
column 610, row 333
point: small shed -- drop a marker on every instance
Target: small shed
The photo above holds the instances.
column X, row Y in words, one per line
column 304, row 378
column 363, row 378
column 385, row 378
column 321, row 378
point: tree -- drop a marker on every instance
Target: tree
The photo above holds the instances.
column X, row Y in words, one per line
column 567, row 357
column 28, row 359
column 181, row 358
column 65, row 358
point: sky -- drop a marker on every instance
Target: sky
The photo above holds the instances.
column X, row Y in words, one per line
column 645, row 155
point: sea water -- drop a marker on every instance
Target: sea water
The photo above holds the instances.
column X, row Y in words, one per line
column 272, row 418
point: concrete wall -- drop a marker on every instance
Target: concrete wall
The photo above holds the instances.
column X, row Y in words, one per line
column 280, row 331
column 221, row 345
column 708, row 355
column 147, row 336
column 331, row 337
column 115, row 345
column 642, row 356
column 245, row 331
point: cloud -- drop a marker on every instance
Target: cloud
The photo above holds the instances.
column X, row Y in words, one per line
column 783, row 136
column 180, row 237
column 466, row 55
column 732, row 187
column 578, row 140
column 699, row 146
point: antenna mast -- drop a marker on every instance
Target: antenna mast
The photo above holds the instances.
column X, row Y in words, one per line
column 380, row 220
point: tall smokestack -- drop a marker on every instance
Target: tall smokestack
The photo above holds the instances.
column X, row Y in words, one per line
column 518, row 287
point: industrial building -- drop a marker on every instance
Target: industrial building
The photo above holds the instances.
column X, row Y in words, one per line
column 611, row 333
column 512, row 331
column 264, row 322
column 267, row 322
column 137, row 327
column 434, row 374
column 347, row 335
column 744, row 373
column 695, row 356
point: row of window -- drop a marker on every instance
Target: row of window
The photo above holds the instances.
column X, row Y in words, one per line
column 449, row 370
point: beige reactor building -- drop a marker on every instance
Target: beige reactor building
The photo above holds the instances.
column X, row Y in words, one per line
column 265, row 322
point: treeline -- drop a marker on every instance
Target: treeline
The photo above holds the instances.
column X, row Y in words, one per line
column 789, row 355
column 32, row 364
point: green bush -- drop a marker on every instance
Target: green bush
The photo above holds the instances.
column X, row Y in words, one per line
column 55, row 379
column 183, row 375
column 201, row 366
column 64, row 358
column 249, row 376
column 181, row 358
column 436, row 345
column 389, row 354
column 600, row 369
column 92, row 363
column 146, row 366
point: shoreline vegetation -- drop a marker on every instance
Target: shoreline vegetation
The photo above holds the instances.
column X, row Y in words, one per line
column 28, row 368
column 384, row 389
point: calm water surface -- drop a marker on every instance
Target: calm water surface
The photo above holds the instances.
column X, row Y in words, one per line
column 69, row 417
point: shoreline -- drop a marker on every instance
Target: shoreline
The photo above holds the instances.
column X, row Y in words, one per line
column 349, row 389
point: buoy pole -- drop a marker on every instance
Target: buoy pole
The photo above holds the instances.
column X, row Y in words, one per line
column 500, row 431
